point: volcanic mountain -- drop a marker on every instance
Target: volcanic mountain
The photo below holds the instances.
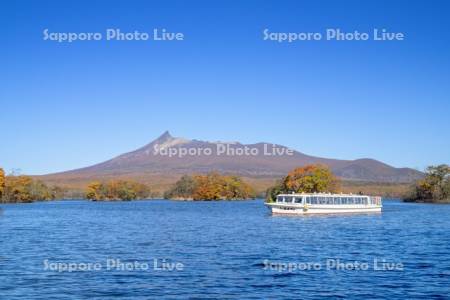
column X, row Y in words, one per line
column 167, row 158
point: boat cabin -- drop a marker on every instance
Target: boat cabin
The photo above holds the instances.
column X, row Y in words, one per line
column 328, row 199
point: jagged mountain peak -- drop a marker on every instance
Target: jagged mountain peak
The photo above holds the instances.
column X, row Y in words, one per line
column 147, row 160
column 164, row 137
column 163, row 141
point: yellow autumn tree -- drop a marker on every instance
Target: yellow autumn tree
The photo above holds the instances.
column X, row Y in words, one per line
column 2, row 183
column 236, row 188
column 18, row 189
column 208, row 187
column 117, row 190
column 311, row 179
column 22, row 188
column 211, row 186
column 434, row 187
column 95, row 191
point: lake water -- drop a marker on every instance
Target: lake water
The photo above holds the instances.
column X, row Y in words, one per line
column 221, row 250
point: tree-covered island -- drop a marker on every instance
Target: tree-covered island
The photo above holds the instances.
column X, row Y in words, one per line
column 434, row 187
column 25, row 189
column 211, row 186
column 308, row 179
column 116, row 190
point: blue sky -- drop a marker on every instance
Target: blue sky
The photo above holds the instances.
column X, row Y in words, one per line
column 69, row 105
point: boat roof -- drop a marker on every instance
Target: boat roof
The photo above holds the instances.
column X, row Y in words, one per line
column 323, row 194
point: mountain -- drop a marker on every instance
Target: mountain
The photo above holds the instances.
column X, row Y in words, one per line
column 167, row 157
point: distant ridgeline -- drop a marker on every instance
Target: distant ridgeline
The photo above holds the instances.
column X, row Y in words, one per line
column 211, row 186
column 21, row 188
column 435, row 187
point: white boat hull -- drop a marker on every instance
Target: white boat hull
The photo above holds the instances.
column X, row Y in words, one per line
column 290, row 209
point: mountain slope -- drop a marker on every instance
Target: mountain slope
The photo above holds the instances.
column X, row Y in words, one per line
column 153, row 160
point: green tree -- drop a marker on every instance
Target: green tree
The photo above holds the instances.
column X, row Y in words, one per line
column 434, row 187
column 274, row 191
column 126, row 192
column 236, row 188
column 183, row 188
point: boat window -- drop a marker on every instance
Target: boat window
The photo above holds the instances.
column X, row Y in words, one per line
column 336, row 200
column 375, row 200
column 288, row 199
column 308, row 200
column 298, row 200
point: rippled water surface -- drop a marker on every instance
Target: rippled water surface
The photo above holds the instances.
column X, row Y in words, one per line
column 223, row 250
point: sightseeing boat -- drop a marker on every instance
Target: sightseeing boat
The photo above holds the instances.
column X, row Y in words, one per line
column 319, row 203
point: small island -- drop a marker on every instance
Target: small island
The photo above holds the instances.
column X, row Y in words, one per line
column 207, row 187
column 24, row 189
column 433, row 188
column 117, row 190
column 308, row 179
column 211, row 186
